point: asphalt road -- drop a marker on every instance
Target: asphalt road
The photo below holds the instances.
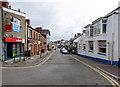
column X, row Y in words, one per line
column 60, row 69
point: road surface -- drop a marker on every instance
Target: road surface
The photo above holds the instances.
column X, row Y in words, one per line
column 60, row 69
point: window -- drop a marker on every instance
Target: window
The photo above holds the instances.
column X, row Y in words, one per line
column 87, row 33
column 84, row 46
column 104, row 28
column 38, row 36
column 94, row 31
column 102, row 46
column 79, row 46
column 91, row 45
column 30, row 34
column 97, row 28
column 34, row 35
column 91, row 32
column 30, row 47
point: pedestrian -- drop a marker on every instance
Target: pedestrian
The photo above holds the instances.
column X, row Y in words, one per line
column 42, row 51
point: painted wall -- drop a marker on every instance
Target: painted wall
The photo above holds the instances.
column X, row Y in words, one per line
column 119, row 32
column 111, row 37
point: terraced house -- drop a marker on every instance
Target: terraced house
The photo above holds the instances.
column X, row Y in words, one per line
column 13, row 31
column 101, row 39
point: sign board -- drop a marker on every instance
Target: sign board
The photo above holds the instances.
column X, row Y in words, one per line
column 15, row 28
column 15, row 24
column 8, row 28
column 8, row 39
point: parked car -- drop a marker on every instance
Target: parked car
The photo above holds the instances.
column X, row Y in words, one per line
column 63, row 50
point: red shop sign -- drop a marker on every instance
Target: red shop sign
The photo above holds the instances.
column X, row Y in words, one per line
column 8, row 28
column 8, row 39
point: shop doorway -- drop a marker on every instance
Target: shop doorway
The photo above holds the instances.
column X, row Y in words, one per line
column 9, row 50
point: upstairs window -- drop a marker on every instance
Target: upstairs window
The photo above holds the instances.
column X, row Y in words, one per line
column 104, row 26
column 30, row 34
column 36, row 36
column 91, row 31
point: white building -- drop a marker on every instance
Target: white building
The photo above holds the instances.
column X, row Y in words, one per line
column 46, row 33
column 102, row 39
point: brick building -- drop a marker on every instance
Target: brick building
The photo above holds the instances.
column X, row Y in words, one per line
column 13, row 31
column 35, row 41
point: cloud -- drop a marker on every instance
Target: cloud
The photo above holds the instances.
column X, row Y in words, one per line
column 64, row 18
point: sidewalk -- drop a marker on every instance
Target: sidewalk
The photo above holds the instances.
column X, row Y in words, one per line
column 34, row 60
column 111, row 70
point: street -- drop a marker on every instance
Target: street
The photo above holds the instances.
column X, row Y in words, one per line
column 60, row 69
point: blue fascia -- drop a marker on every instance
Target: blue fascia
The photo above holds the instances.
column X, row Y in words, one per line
column 100, row 60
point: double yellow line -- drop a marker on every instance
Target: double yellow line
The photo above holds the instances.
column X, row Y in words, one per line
column 111, row 80
column 41, row 63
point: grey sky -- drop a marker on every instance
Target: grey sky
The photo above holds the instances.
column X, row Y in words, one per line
column 64, row 18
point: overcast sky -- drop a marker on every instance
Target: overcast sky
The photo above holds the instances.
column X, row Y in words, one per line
column 64, row 18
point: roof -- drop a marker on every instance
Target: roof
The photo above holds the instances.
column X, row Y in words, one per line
column 112, row 12
column 30, row 27
column 106, row 16
column 88, row 25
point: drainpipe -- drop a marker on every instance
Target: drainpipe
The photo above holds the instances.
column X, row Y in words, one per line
column 108, row 52
column 112, row 48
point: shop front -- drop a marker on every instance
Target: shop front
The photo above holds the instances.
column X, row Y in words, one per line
column 13, row 48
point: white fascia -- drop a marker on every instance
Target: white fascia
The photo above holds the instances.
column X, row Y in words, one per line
column 15, row 12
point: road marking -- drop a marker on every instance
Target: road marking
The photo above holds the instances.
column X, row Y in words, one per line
column 41, row 63
column 111, row 80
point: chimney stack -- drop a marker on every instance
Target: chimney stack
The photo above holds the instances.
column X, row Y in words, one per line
column 39, row 29
column 18, row 10
column 119, row 4
column 28, row 21
column 4, row 3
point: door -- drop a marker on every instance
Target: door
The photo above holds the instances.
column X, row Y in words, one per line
column 9, row 50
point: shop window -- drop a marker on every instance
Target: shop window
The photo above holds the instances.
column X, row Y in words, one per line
column 30, row 47
column 18, row 49
column 84, row 47
column 102, row 46
column 79, row 46
column 90, row 45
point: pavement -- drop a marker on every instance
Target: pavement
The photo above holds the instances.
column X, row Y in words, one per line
column 111, row 70
column 22, row 62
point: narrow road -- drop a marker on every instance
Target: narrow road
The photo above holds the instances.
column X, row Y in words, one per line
column 60, row 69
